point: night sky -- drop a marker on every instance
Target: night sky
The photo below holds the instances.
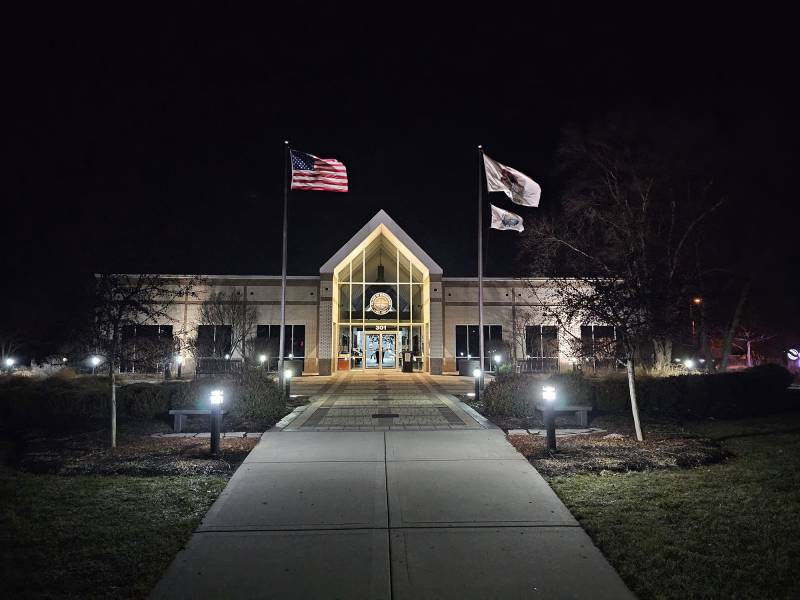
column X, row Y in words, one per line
column 153, row 141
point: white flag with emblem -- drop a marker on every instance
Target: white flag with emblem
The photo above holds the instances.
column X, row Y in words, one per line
column 503, row 219
column 519, row 187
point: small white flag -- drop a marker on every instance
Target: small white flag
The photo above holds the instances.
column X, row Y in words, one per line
column 503, row 219
column 519, row 187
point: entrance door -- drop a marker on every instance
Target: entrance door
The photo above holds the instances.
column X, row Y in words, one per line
column 388, row 351
column 380, row 351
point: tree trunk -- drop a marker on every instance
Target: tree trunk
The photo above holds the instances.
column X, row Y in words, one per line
column 113, row 405
column 749, row 354
column 662, row 348
column 737, row 315
column 634, row 406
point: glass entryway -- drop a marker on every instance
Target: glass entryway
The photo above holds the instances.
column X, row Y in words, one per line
column 381, row 351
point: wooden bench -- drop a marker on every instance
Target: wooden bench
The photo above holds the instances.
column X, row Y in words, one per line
column 180, row 416
column 582, row 410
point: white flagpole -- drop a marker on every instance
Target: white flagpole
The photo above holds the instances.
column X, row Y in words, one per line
column 283, row 267
column 480, row 261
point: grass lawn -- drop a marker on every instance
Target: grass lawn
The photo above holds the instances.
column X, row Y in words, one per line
column 95, row 536
column 730, row 530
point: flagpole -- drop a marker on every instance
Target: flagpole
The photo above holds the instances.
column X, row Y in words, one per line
column 480, row 263
column 283, row 265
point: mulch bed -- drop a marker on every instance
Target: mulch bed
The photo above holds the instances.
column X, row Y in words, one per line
column 87, row 453
column 595, row 453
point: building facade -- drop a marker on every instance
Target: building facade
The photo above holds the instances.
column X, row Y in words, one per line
column 382, row 303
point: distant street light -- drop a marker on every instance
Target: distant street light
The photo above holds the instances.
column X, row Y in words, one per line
column 549, row 397
column 217, row 397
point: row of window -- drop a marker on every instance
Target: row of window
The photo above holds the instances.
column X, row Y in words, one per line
column 541, row 341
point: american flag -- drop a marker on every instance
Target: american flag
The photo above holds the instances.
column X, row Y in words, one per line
column 312, row 173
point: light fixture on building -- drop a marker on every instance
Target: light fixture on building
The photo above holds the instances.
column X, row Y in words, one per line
column 697, row 300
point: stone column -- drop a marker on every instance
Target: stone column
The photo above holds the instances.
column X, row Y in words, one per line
column 325, row 331
column 435, row 325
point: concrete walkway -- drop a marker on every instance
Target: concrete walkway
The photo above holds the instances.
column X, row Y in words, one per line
column 454, row 513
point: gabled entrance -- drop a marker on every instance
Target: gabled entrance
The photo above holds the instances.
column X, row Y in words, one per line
column 380, row 301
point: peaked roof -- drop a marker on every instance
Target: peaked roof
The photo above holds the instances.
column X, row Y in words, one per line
column 381, row 219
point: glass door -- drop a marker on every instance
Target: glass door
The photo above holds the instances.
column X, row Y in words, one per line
column 388, row 351
column 372, row 351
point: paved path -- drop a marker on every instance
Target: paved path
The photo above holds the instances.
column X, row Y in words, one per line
column 446, row 513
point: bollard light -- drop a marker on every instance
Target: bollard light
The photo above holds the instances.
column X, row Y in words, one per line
column 9, row 362
column 688, row 363
column 498, row 358
column 477, row 375
column 95, row 360
column 549, row 397
column 262, row 358
column 216, row 399
column 179, row 361
column 287, row 379
column 549, row 393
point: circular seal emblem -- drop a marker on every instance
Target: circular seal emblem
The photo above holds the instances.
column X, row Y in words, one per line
column 793, row 354
column 380, row 303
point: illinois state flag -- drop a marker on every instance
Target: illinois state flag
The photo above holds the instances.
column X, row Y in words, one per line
column 504, row 219
column 519, row 187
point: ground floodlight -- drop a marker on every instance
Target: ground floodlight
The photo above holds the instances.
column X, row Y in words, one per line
column 217, row 396
column 549, row 393
column 262, row 358
column 688, row 363
column 477, row 373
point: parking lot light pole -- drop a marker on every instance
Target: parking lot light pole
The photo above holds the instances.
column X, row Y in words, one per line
column 217, row 397
column 549, row 397
column 477, row 375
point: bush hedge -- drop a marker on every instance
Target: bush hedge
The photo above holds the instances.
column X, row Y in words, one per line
column 755, row 391
column 25, row 400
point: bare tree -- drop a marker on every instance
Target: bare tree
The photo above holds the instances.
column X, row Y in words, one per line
column 621, row 243
column 232, row 310
column 127, row 301
column 9, row 344
column 746, row 336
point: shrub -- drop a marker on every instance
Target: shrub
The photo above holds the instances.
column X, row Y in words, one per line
column 259, row 396
column 509, row 395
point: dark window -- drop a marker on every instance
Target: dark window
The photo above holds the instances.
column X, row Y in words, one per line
column 145, row 348
column 468, row 341
column 541, row 341
column 213, row 340
column 268, row 340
